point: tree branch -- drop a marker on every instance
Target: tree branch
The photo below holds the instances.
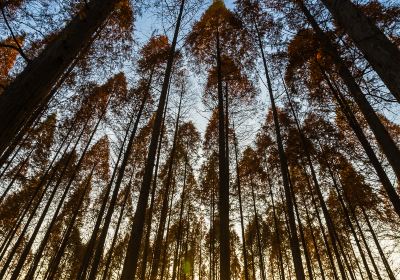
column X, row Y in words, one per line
column 18, row 47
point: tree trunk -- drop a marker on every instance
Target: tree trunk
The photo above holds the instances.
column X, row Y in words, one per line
column 244, row 249
column 165, row 203
column 354, row 124
column 53, row 265
column 258, row 235
column 26, row 93
column 381, row 253
column 303, row 239
column 309, row 224
column 179, row 233
column 114, row 241
column 121, row 172
column 132, row 254
column 153, row 192
column 223, row 171
column 349, row 223
column 381, row 53
column 382, row 136
column 294, row 241
column 35, row 208
column 91, row 244
column 38, row 225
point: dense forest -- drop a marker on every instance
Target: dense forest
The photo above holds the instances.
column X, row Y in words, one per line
column 193, row 139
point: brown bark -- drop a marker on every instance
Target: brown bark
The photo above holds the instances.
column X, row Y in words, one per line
column 131, row 259
column 239, row 187
column 382, row 136
column 223, row 182
column 26, row 93
column 381, row 53
column 165, row 203
column 294, row 241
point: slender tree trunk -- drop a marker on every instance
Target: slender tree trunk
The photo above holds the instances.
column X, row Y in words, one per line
column 349, row 223
column 276, row 224
column 121, row 172
column 114, row 241
column 23, row 96
column 328, row 219
column 53, row 264
column 15, row 175
column 165, row 247
column 45, row 239
column 354, row 124
column 223, row 171
column 179, row 233
column 131, row 259
column 35, row 208
column 381, row 53
column 42, row 181
column 317, row 253
column 258, row 235
column 382, row 136
column 303, row 239
column 294, row 241
column 244, row 249
column 153, row 192
column 91, row 244
column 165, row 203
column 381, row 253
column 328, row 249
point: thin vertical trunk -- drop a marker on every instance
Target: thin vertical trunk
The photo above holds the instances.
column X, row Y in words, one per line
column 114, row 241
column 132, row 254
column 44, row 179
column 91, row 244
column 53, row 265
column 165, row 203
column 223, row 171
column 381, row 253
column 349, row 223
column 309, row 224
column 38, row 225
column 328, row 249
column 121, row 172
column 355, row 125
column 179, row 233
column 327, row 216
column 258, row 235
column 26, row 93
column 381, row 53
column 15, row 175
column 303, row 239
column 239, row 186
column 35, row 208
column 165, row 247
column 382, row 136
column 276, row 224
column 294, row 241
column 153, row 192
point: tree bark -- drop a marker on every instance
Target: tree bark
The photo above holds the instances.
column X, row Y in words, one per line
column 26, row 93
column 131, row 259
column 294, row 241
column 153, row 192
column 355, row 125
column 381, row 53
column 165, row 203
column 239, row 186
column 382, row 136
column 223, row 171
